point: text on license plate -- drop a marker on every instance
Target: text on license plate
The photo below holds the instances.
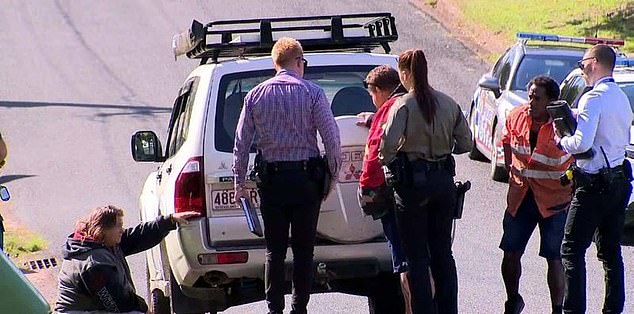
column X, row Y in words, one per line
column 224, row 199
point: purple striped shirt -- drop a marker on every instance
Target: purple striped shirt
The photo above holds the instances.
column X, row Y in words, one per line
column 285, row 112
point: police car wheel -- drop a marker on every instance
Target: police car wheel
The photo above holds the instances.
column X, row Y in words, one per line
column 498, row 173
column 474, row 154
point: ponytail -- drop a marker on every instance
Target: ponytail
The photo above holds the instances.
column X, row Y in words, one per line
column 415, row 62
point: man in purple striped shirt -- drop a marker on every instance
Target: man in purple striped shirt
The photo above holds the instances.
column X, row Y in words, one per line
column 286, row 112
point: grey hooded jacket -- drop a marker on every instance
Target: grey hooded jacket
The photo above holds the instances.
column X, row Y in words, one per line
column 96, row 278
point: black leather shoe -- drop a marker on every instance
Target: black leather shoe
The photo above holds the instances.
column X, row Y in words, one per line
column 514, row 306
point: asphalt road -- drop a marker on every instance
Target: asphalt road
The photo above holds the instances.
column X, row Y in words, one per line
column 77, row 78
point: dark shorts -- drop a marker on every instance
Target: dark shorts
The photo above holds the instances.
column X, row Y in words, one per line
column 399, row 262
column 518, row 229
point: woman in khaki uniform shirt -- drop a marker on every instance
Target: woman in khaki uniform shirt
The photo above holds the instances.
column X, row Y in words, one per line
column 424, row 128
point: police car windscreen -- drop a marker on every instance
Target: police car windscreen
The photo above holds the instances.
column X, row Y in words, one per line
column 343, row 86
column 628, row 88
column 557, row 67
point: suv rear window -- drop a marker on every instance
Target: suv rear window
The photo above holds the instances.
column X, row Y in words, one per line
column 343, row 86
column 556, row 67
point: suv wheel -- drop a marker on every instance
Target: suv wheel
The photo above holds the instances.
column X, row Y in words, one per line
column 385, row 296
column 497, row 173
column 474, row 154
column 159, row 303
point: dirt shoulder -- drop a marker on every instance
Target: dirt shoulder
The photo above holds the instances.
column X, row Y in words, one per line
column 482, row 42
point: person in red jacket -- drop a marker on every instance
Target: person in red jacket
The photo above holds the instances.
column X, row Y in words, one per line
column 375, row 197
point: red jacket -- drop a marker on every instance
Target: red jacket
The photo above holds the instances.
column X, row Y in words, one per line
column 372, row 175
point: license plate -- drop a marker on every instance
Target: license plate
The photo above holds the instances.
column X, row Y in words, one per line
column 224, row 199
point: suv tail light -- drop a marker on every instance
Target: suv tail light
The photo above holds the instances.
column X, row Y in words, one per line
column 189, row 191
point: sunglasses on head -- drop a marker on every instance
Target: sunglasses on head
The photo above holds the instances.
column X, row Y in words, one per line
column 580, row 62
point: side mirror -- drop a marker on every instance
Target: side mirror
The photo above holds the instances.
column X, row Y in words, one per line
column 146, row 147
column 4, row 193
column 491, row 83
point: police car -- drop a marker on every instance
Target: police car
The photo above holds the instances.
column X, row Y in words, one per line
column 571, row 90
column 505, row 87
column 215, row 262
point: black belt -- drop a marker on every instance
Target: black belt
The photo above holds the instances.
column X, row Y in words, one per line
column 296, row 165
column 427, row 165
column 618, row 171
column 600, row 179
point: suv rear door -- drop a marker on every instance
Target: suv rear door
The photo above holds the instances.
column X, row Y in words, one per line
column 341, row 219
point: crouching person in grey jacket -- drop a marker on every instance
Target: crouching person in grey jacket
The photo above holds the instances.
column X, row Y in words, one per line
column 95, row 277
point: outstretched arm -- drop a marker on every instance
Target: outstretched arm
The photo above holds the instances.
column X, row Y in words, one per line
column 146, row 235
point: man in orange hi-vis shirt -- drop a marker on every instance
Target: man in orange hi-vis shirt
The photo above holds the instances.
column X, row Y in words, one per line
column 536, row 196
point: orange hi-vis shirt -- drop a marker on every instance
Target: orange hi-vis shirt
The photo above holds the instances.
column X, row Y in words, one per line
column 538, row 170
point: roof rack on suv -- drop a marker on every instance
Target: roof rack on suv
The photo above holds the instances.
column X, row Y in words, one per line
column 252, row 37
column 524, row 37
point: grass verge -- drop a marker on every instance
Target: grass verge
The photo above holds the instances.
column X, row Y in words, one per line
column 602, row 18
column 18, row 244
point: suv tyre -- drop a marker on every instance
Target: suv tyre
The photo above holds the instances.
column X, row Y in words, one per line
column 159, row 303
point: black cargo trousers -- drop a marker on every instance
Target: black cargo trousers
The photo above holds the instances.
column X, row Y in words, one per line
column 597, row 211
column 424, row 216
column 289, row 197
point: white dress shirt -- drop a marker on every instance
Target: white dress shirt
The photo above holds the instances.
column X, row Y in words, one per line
column 604, row 121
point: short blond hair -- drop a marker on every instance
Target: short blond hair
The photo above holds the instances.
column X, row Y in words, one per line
column 286, row 50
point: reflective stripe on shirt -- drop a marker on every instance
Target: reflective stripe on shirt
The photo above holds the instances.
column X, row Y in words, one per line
column 549, row 160
column 537, row 174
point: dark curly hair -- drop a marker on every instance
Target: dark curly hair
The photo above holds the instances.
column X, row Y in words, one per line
column 548, row 84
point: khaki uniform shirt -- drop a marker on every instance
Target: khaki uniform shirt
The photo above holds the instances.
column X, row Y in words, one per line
column 407, row 130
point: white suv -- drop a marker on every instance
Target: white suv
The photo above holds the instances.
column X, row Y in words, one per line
column 215, row 262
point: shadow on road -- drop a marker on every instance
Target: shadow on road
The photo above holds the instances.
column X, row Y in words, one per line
column 6, row 179
column 127, row 109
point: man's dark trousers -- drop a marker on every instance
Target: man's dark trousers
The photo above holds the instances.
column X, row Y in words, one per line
column 596, row 207
column 289, row 198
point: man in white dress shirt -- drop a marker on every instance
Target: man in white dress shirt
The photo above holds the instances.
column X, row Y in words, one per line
column 602, row 183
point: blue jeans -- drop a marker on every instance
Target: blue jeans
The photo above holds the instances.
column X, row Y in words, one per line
column 399, row 262
column 596, row 210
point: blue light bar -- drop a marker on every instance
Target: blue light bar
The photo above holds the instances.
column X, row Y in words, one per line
column 535, row 36
column 570, row 39
column 625, row 62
